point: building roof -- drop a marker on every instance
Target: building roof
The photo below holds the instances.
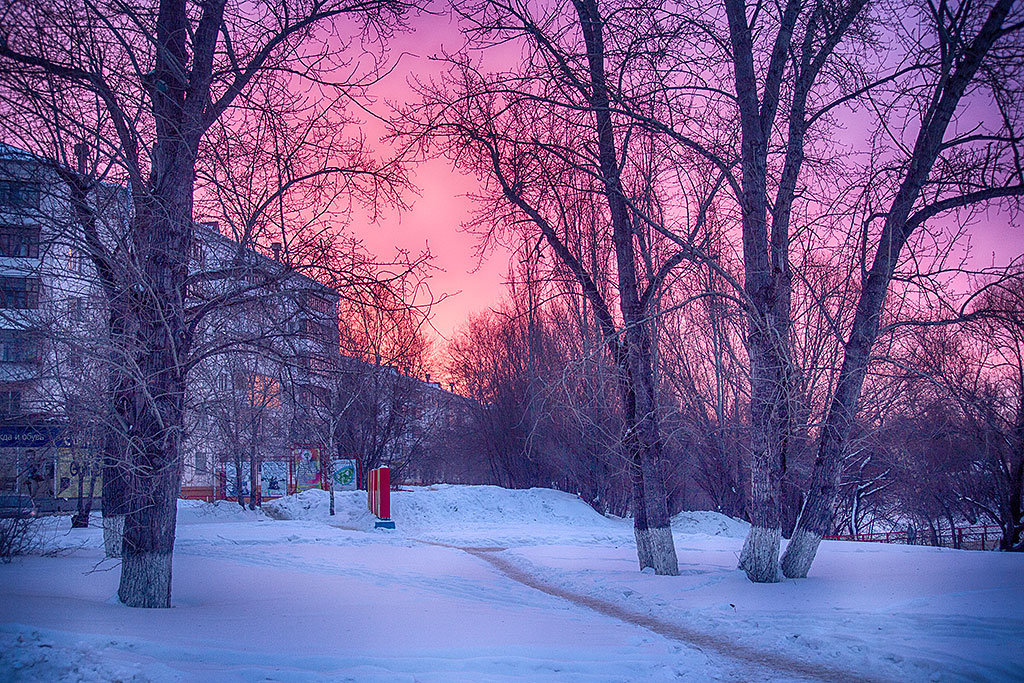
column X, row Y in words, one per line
column 10, row 153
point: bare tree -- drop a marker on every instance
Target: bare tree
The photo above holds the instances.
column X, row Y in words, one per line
column 248, row 416
column 980, row 366
column 163, row 74
column 378, row 388
column 548, row 137
column 971, row 48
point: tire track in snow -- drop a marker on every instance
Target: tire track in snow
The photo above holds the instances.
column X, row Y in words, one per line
column 777, row 662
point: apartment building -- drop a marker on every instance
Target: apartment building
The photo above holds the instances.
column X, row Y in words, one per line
column 265, row 352
column 52, row 328
column 268, row 341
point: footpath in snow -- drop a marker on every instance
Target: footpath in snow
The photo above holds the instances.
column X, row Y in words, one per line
column 483, row 583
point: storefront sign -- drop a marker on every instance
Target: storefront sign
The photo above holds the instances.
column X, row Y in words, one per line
column 32, row 436
column 76, row 466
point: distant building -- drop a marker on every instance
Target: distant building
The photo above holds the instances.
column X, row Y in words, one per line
column 51, row 325
column 272, row 347
column 268, row 392
column 272, row 341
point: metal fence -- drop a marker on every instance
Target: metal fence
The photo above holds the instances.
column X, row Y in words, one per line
column 980, row 537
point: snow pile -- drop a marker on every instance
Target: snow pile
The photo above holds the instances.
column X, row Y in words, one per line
column 31, row 656
column 489, row 515
column 350, row 508
column 709, row 523
column 550, row 592
column 201, row 512
column 446, row 509
column 450, row 504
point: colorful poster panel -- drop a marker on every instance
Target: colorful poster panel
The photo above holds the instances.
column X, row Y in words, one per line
column 232, row 481
column 344, row 476
column 77, row 465
column 273, row 478
column 307, row 468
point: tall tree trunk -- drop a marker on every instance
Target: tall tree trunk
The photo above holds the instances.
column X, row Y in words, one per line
column 85, row 495
column 331, row 449
column 769, row 428
column 652, row 526
column 162, row 240
column 114, row 497
column 766, row 283
column 154, row 476
column 119, row 383
column 1013, row 519
column 239, row 479
column 255, row 495
column 768, row 278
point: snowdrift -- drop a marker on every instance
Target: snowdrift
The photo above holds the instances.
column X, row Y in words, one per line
column 201, row 512
column 709, row 523
column 444, row 504
column 383, row 605
column 454, row 504
column 447, row 506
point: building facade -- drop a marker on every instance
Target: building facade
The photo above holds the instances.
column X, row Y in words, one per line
column 266, row 339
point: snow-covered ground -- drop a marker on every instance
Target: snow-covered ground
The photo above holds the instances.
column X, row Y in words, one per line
column 294, row 595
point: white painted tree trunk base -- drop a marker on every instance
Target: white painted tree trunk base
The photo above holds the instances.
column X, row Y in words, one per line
column 656, row 549
column 760, row 555
column 113, row 535
column 799, row 555
column 145, row 580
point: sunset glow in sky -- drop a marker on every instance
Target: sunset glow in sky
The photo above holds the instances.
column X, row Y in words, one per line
column 440, row 207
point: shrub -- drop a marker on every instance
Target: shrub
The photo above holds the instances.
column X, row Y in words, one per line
column 18, row 536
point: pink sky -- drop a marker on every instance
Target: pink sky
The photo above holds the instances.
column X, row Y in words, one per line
column 440, row 206
column 434, row 221
column 436, row 215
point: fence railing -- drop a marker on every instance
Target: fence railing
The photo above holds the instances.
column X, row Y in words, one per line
column 979, row 537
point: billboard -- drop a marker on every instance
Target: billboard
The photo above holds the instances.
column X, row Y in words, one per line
column 273, row 478
column 344, row 476
column 307, row 468
column 232, row 483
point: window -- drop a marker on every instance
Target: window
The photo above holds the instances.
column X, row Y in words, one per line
column 265, row 392
column 18, row 346
column 19, row 293
column 310, row 395
column 19, row 194
column 20, row 241
column 316, row 363
column 319, row 304
column 201, row 462
column 307, row 328
column 10, row 403
column 198, row 253
column 75, row 261
column 75, row 309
